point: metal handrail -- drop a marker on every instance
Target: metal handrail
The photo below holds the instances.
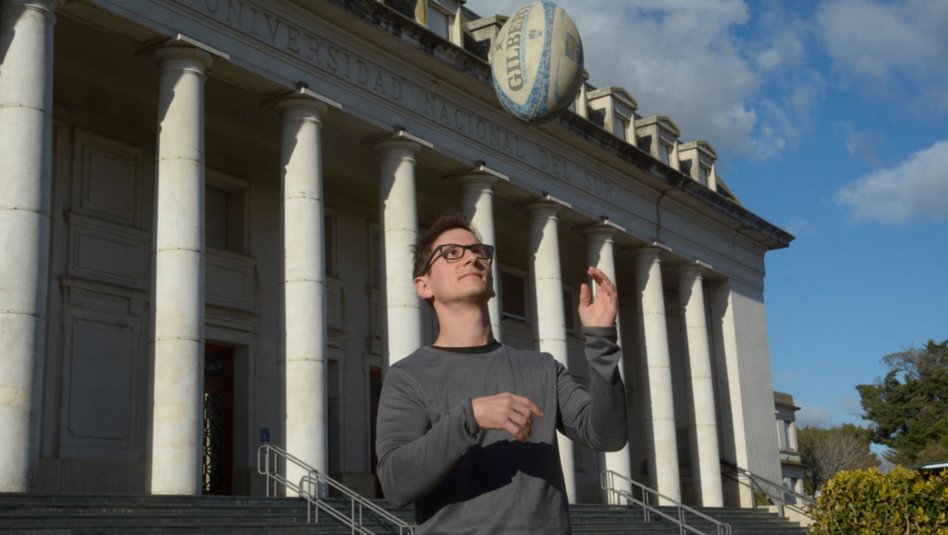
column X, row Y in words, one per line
column 778, row 498
column 607, row 482
column 314, row 485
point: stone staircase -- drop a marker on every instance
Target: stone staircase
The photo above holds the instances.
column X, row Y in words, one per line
column 588, row 518
column 128, row 514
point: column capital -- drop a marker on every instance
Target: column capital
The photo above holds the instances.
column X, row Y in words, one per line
column 47, row 7
column 651, row 249
column 478, row 174
column 398, row 140
column 545, row 205
column 696, row 268
column 602, row 229
column 300, row 99
column 186, row 52
column 181, row 47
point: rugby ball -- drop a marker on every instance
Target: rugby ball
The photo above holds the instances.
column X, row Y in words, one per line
column 537, row 62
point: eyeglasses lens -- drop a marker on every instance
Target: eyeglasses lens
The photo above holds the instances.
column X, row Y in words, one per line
column 453, row 252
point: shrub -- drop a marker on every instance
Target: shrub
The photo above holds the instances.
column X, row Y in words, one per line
column 868, row 502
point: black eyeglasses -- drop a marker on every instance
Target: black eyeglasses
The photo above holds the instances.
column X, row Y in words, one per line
column 452, row 252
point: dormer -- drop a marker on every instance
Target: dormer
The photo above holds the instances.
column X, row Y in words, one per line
column 442, row 17
column 658, row 136
column 697, row 161
column 486, row 28
column 617, row 109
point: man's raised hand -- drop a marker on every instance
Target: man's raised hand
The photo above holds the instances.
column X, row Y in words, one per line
column 506, row 411
column 600, row 312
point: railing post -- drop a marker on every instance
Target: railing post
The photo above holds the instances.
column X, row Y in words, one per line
column 266, row 468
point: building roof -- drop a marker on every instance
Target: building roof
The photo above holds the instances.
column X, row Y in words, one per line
column 473, row 64
column 784, row 399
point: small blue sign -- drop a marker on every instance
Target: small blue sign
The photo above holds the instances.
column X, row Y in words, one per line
column 265, row 435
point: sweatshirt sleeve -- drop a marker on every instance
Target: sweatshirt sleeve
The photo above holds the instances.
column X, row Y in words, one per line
column 597, row 417
column 414, row 453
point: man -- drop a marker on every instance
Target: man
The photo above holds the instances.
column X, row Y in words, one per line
column 467, row 426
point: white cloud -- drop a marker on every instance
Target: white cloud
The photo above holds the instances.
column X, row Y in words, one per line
column 679, row 58
column 851, row 406
column 813, row 416
column 748, row 80
column 871, row 38
column 800, row 227
column 899, row 48
column 785, row 49
column 863, row 146
column 918, row 187
column 740, row 79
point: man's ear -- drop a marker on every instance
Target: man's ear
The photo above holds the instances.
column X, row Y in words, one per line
column 422, row 288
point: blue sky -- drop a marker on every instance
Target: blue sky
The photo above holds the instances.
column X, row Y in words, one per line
column 830, row 120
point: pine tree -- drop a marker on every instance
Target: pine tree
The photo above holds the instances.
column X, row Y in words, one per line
column 909, row 407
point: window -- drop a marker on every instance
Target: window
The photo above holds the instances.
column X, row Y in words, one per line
column 664, row 152
column 620, row 125
column 435, row 16
column 225, row 214
column 704, row 173
column 439, row 21
column 215, row 218
column 514, row 296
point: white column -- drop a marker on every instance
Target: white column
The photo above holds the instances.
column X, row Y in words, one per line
column 477, row 204
column 304, row 283
column 399, row 218
column 26, row 109
column 178, row 300
column 547, row 286
column 655, row 362
column 703, row 428
column 601, row 254
column 733, row 409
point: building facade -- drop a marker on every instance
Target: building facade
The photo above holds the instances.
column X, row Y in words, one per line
column 205, row 215
column 791, row 457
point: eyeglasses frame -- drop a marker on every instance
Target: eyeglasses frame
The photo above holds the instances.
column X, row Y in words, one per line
column 438, row 253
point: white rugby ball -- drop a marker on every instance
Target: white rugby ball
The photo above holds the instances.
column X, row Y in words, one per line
column 537, row 62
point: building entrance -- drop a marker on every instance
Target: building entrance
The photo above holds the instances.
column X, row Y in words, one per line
column 218, row 420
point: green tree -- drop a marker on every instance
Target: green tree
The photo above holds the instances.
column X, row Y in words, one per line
column 909, row 406
column 828, row 451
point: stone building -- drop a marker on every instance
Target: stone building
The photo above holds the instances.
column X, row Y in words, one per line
column 205, row 212
column 791, row 457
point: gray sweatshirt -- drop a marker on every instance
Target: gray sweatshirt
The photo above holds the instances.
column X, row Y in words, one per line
column 463, row 479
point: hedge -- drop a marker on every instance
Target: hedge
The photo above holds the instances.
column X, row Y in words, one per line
column 871, row 503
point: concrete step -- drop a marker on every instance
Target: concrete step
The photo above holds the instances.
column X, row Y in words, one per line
column 106, row 514
column 137, row 514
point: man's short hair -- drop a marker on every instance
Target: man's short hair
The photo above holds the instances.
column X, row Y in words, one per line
column 422, row 247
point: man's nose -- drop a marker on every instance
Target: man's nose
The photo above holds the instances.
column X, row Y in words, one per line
column 469, row 256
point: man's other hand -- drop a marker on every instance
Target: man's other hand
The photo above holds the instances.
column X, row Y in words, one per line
column 506, row 411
